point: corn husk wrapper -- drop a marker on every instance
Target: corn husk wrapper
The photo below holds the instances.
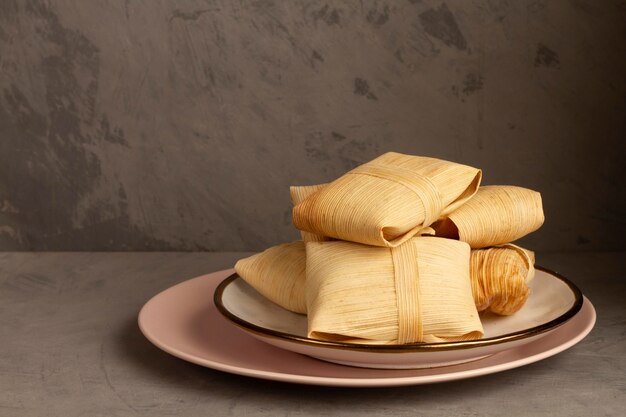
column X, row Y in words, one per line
column 417, row 292
column 500, row 278
column 298, row 195
column 387, row 200
column 496, row 215
column 278, row 273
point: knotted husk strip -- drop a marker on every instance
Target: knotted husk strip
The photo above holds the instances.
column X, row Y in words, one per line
column 500, row 278
column 387, row 200
column 298, row 195
column 417, row 292
column 496, row 215
column 278, row 273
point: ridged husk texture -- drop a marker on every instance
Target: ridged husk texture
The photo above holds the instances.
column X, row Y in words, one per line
column 278, row 273
column 496, row 215
column 417, row 292
column 387, row 200
column 500, row 278
column 298, row 195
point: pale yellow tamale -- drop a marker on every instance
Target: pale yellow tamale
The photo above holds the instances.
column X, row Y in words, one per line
column 387, row 200
column 298, row 195
column 497, row 214
column 419, row 291
column 278, row 273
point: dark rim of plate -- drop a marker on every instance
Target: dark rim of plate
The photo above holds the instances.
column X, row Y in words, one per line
column 406, row 348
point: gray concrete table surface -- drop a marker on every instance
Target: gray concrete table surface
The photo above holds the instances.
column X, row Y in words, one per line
column 70, row 346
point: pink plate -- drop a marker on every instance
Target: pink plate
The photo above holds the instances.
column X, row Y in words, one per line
column 184, row 322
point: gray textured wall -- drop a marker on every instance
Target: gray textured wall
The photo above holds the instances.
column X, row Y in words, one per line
column 179, row 125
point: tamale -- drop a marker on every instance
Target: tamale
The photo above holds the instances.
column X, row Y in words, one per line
column 419, row 291
column 278, row 273
column 500, row 277
column 298, row 195
column 387, row 200
column 497, row 214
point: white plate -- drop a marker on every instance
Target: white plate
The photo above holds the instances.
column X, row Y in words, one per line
column 553, row 301
column 184, row 322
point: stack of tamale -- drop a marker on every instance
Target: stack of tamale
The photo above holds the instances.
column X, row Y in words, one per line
column 402, row 249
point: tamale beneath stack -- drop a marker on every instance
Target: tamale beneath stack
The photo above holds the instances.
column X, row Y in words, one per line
column 278, row 273
column 500, row 278
column 419, row 291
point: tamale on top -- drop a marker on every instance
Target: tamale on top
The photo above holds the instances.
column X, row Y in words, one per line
column 299, row 194
column 387, row 200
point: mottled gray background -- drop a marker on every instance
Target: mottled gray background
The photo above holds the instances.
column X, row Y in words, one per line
column 179, row 125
